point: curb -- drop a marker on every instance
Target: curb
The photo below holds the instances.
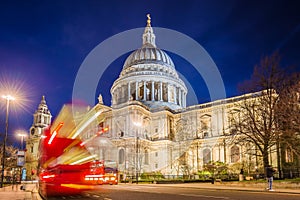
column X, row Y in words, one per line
column 290, row 191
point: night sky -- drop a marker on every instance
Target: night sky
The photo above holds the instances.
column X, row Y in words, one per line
column 43, row 44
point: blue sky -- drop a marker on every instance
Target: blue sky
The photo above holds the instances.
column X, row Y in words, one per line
column 43, row 43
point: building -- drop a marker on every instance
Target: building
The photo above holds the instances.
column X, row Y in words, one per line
column 41, row 120
column 151, row 130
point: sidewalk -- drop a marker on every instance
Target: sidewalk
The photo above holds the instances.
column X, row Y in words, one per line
column 30, row 192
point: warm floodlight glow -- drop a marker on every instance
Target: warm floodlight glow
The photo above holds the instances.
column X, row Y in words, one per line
column 139, row 124
column 13, row 88
column 22, row 134
column 8, row 97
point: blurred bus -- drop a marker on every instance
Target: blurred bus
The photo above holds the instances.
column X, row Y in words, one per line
column 102, row 172
column 64, row 158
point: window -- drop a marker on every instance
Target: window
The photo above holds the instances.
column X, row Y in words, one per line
column 205, row 134
column 146, row 157
column 206, row 156
column 234, row 154
column 289, row 155
column 156, row 154
column 233, row 131
column 121, row 156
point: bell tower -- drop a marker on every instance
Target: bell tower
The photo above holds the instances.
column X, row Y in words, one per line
column 41, row 119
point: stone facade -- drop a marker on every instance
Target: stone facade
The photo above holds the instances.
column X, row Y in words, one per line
column 41, row 120
column 150, row 127
column 152, row 130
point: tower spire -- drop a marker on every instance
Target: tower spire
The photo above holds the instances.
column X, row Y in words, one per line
column 148, row 36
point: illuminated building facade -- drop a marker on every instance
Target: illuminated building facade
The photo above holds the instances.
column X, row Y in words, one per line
column 41, row 120
column 152, row 129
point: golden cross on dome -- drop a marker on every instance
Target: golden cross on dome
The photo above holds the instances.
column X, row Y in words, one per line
column 148, row 20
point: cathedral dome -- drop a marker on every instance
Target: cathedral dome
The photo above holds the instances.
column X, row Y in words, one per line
column 148, row 54
column 149, row 76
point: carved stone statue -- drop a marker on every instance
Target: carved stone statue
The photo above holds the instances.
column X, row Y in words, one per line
column 148, row 20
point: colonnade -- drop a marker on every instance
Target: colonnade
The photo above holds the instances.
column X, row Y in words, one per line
column 149, row 91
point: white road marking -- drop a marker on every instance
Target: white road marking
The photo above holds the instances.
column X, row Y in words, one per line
column 205, row 196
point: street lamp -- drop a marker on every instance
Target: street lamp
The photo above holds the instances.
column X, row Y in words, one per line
column 22, row 134
column 138, row 125
column 8, row 99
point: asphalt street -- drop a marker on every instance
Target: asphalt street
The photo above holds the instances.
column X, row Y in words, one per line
column 157, row 192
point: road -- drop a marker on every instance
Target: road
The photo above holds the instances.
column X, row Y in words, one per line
column 157, row 192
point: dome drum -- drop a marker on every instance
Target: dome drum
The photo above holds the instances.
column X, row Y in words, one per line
column 171, row 92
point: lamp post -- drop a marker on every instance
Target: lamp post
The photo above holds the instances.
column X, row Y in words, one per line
column 138, row 125
column 22, row 135
column 8, row 99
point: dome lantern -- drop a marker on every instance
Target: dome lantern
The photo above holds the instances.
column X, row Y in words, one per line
column 148, row 36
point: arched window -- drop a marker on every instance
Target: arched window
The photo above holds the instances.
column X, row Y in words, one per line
column 146, row 157
column 121, row 156
column 234, row 154
column 206, row 156
column 289, row 155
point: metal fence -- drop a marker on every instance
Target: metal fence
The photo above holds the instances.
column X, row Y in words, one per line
column 205, row 178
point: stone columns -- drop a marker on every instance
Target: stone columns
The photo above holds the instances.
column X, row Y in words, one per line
column 136, row 90
column 129, row 93
column 168, row 93
column 175, row 94
column 152, row 91
column 180, row 100
column 145, row 91
column 184, row 99
column 160, row 92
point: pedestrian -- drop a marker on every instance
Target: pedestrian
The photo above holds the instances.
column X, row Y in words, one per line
column 256, row 173
column 241, row 175
column 270, row 173
column 14, row 182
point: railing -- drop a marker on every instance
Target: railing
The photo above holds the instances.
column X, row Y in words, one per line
column 155, row 178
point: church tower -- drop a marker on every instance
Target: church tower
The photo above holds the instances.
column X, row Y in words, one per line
column 41, row 120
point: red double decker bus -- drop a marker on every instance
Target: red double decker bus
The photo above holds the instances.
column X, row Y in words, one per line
column 102, row 172
column 64, row 160
column 59, row 173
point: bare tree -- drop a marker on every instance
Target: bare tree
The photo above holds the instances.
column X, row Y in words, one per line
column 10, row 156
column 256, row 122
column 288, row 114
column 183, row 140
